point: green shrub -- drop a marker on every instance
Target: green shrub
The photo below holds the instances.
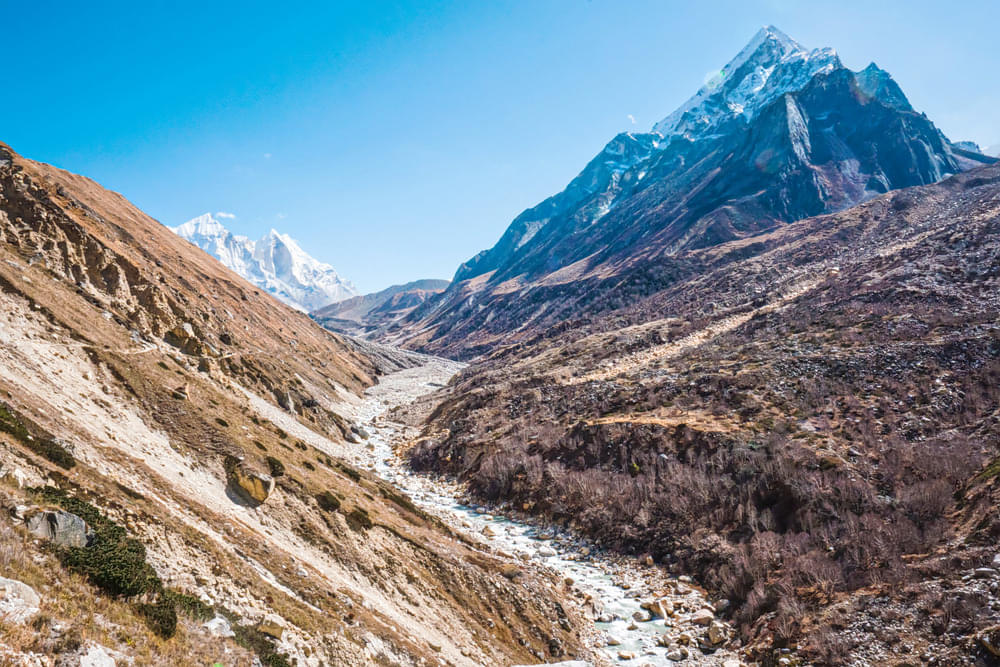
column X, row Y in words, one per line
column 116, row 563
column 222, row 422
column 189, row 605
column 328, row 501
column 276, row 467
column 160, row 616
column 349, row 471
column 46, row 447
column 254, row 640
column 358, row 519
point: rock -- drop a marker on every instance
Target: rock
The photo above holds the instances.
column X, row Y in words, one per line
column 252, row 486
column 648, row 560
column 731, row 663
column 614, row 641
column 989, row 638
column 61, row 528
column 15, row 476
column 272, row 625
column 18, row 601
column 181, row 393
column 626, row 655
column 642, row 616
column 654, row 607
column 220, row 627
column 703, row 617
column 360, row 432
column 676, row 655
column 510, row 570
column 488, row 532
column 717, row 633
column 546, row 552
column 984, row 572
column 584, row 551
column 96, row 656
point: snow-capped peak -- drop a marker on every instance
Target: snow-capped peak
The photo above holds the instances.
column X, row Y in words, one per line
column 769, row 66
column 203, row 225
column 275, row 263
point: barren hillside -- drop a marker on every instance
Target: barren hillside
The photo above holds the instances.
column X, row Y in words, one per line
column 807, row 421
column 177, row 471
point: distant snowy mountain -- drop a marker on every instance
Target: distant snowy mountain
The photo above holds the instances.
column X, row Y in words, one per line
column 275, row 263
column 993, row 150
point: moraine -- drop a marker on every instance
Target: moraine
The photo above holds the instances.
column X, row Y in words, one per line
column 617, row 585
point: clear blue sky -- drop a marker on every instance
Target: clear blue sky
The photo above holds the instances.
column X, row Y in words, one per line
column 397, row 139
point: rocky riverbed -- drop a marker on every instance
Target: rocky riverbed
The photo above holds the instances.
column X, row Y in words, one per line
column 642, row 615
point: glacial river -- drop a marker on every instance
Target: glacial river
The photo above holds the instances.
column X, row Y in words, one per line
column 618, row 585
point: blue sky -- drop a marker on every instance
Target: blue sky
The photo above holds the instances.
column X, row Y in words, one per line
column 397, row 139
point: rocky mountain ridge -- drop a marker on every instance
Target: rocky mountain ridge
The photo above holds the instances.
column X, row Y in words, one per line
column 780, row 134
column 372, row 315
column 275, row 263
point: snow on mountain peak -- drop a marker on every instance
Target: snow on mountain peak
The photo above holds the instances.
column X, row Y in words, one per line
column 769, row 66
column 275, row 263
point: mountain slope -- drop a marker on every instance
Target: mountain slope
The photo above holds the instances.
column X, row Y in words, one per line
column 274, row 263
column 189, row 441
column 806, row 420
column 780, row 134
column 375, row 314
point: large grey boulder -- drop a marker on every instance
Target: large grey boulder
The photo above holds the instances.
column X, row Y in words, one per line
column 18, row 601
column 61, row 528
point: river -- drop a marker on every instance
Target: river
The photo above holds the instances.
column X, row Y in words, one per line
column 616, row 585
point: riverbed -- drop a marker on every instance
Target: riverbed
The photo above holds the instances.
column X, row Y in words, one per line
column 611, row 589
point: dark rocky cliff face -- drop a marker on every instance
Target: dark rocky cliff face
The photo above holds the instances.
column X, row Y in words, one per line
column 838, row 139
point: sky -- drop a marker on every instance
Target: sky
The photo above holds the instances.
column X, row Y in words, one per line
column 395, row 140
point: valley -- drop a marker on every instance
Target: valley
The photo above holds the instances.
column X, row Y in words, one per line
column 730, row 398
column 642, row 616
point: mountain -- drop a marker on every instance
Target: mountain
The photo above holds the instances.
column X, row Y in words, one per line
column 182, row 480
column 993, row 151
column 275, row 263
column 804, row 420
column 780, row 134
column 375, row 314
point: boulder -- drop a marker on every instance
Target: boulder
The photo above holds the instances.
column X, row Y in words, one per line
column 59, row 527
column 18, row 601
column 249, row 484
column 642, row 616
column 510, row 570
column 220, row 627
column 717, row 632
column 272, row 625
column 703, row 617
column 96, row 656
column 654, row 607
